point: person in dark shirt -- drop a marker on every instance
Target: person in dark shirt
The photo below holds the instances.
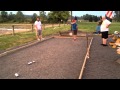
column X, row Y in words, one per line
column 74, row 29
column 76, row 19
column 98, row 26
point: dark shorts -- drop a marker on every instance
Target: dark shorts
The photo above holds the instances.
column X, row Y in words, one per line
column 74, row 32
column 105, row 34
column 39, row 32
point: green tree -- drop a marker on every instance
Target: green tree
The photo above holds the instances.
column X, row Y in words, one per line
column 43, row 16
column 34, row 16
column 11, row 17
column 90, row 18
column 4, row 16
column 117, row 16
column 95, row 18
column 57, row 16
column 50, row 17
column 20, row 17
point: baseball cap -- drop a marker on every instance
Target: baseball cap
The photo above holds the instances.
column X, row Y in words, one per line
column 73, row 20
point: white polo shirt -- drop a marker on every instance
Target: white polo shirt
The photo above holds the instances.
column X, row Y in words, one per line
column 104, row 24
column 38, row 24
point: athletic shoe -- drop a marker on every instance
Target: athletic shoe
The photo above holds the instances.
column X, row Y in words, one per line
column 104, row 44
column 42, row 39
column 38, row 39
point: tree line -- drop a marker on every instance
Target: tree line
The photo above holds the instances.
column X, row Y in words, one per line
column 19, row 17
column 117, row 16
column 52, row 17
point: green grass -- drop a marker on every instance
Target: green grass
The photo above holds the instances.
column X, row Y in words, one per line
column 8, row 41
column 91, row 26
column 87, row 26
column 54, row 30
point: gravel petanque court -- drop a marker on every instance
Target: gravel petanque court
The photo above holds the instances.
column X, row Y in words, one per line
column 57, row 58
column 102, row 62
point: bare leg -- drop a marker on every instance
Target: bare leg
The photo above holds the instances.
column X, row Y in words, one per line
column 40, row 37
column 37, row 37
column 74, row 37
column 104, row 41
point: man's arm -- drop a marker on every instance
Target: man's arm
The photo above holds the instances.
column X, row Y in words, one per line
column 35, row 25
column 107, row 25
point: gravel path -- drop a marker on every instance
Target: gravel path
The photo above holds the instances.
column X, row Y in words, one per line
column 54, row 59
column 102, row 64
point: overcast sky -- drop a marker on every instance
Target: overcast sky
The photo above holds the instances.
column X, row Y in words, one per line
column 75, row 13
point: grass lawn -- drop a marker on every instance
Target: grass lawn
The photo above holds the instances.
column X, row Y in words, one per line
column 8, row 41
column 91, row 26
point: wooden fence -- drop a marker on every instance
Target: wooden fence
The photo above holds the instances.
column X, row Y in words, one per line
column 15, row 28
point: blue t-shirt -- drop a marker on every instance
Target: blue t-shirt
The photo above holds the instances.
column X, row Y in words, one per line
column 74, row 26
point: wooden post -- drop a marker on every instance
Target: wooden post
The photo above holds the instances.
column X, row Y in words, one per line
column 59, row 24
column 87, row 39
column 53, row 25
column 13, row 30
column 32, row 27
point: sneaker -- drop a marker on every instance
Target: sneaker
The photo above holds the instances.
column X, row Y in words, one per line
column 104, row 44
column 38, row 39
column 75, row 39
column 43, row 38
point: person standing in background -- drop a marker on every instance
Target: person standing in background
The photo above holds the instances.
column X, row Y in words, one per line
column 38, row 28
column 74, row 29
column 98, row 26
column 76, row 19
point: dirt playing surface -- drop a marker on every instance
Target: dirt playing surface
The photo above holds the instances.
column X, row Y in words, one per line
column 57, row 58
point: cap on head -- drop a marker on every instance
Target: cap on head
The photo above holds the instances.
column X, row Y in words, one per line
column 73, row 20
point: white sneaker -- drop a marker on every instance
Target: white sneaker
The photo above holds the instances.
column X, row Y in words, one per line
column 43, row 38
column 38, row 39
